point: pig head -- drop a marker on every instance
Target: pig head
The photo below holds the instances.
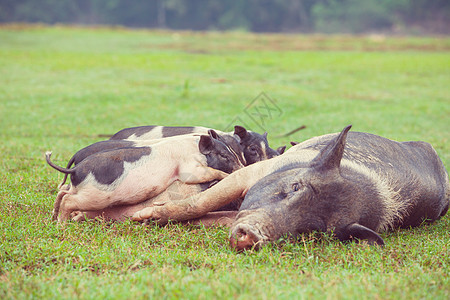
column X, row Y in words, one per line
column 255, row 146
column 374, row 185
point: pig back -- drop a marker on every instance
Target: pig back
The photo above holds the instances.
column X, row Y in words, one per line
column 156, row 132
column 409, row 175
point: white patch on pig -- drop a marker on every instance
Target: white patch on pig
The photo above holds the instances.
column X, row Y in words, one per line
column 199, row 129
column 394, row 208
column 263, row 148
column 155, row 133
column 127, row 167
column 299, row 155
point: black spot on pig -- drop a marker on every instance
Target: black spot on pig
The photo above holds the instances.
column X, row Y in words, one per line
column 127, row 132
column 107, row 166
column 95, row 148
column 173, row 131
column 99, row 147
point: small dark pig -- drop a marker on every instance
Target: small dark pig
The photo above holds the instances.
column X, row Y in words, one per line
column 353, row 184
column 134, row 174
column 254, row 145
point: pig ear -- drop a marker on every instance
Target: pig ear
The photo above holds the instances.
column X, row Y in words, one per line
column 212, row 133
column 361, row 232
column 294, row 143
column 265, row 135
column 330, row 156
column 281, row 150
column 205, row 145
column 240, row 131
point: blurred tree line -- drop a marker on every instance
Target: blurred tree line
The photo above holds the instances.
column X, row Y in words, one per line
column 328, row 16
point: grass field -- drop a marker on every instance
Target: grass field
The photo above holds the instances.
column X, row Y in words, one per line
column 63, row 87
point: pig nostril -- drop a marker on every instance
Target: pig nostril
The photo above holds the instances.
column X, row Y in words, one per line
column 243, row 240
column 242, row 237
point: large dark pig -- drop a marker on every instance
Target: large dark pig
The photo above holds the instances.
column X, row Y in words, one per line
column 352, row 184
column 132, row 175
column 374, row 185
column 254, row 145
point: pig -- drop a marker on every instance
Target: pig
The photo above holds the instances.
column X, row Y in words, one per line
column 352, row 184
column 177, row 190
column 254, row 145
column 232, row 145
column 130, row 175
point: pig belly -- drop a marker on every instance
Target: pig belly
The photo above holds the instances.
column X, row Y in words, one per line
column 138, row 185
column 176, row 191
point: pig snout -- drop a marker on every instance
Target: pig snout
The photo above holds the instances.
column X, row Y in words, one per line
column 244, row 237
column 252, row 229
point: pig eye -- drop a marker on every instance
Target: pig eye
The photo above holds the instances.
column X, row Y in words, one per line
column 296, row 186
column 253, row 150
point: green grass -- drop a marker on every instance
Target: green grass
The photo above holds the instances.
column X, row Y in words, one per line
column 62, row 87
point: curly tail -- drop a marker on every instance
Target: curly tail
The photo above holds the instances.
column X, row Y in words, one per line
column 56, row 167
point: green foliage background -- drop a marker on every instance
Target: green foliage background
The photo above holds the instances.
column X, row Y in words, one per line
column 328, row 16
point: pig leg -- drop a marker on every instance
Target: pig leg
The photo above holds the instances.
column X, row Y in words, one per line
column 65, row 208
column 234, row 186
column 176, row 191
column 201, row 175
column 217, row 218
column 75, row 202
column 57, row 204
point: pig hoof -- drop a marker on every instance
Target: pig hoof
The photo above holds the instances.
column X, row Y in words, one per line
column 144, row 214
column 152, row 214
column 77, row 216
column 137, row 217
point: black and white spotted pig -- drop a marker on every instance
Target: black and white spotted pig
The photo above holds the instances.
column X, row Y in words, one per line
column 254, row 145
column 231, row 143
column 134, row 174
column 353, row 184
